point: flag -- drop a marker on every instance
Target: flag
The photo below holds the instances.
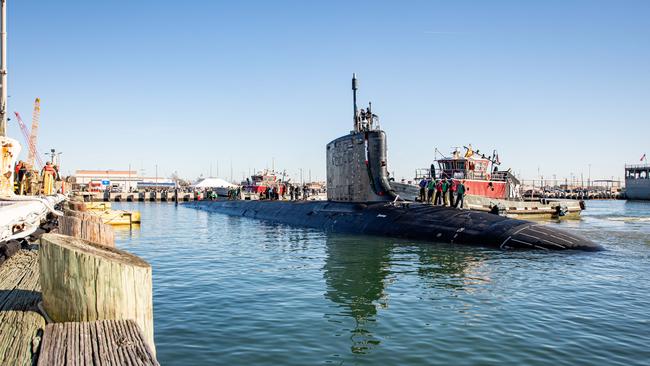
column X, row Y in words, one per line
column 497, row 160
column 643, row 157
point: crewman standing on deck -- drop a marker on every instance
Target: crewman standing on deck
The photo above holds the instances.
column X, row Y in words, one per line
column 48, row 174
column 438, row 198
column 22, row 179
column 460, row 194
column 431, row 188
column 445, row 188
column 452, row 190
column 423, row 190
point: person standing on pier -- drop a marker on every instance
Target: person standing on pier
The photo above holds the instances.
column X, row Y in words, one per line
column 460, row 194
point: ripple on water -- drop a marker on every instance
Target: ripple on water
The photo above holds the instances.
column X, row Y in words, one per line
column 235, row 291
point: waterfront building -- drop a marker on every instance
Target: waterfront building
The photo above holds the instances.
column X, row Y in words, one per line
column 116, row 181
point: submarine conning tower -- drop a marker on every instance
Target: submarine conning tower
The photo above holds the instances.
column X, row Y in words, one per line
column 356, row 163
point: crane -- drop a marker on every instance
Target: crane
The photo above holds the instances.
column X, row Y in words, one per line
column 32, row 137
column 32, row 148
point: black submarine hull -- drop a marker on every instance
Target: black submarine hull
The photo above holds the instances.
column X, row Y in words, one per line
column 412, row 221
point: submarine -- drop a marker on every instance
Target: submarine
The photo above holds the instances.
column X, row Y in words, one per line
column 360, row 200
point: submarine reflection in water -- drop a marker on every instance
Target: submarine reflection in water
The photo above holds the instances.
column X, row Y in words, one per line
column 359, row 272
column 356, row 275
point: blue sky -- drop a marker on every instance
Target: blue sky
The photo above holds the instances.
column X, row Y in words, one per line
column 552, row 85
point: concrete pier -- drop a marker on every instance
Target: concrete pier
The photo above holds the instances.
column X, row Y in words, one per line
column 165, row 196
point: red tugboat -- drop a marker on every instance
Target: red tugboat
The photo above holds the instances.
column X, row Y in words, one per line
column 488, row 188
column 480, row 174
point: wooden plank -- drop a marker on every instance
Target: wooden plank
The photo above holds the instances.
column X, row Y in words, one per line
column 126, row 344
column 121, row 343
column 69, row 345
column 83, row 359
column 131, row 345
column 110, row 341
column 20, row 321
column 94, row 341
column 75, row 344
column 43, row 358
column 59, row 340
column 113, row 342
column 143, row 351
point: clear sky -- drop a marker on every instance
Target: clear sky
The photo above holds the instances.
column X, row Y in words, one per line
column 553, row 85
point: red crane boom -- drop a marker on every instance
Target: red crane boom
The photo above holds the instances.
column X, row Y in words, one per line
column 26, row 134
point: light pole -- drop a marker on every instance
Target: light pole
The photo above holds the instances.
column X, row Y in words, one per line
column 589, row 177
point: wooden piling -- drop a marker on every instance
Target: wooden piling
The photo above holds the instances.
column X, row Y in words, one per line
column 83, row 281
column 93, row 230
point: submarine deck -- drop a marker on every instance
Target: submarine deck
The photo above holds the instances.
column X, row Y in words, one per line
column 406, row 220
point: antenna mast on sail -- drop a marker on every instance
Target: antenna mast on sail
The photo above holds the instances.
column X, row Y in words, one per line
column 354, row 100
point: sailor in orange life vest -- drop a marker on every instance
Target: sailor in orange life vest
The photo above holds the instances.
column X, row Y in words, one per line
column 48, row 174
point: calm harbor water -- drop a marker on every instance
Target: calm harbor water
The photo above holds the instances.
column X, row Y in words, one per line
column 235, row 291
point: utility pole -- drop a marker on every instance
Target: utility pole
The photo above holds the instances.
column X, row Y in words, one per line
column 3, row 68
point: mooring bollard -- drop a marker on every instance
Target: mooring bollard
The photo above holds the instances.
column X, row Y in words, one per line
column 82, row 281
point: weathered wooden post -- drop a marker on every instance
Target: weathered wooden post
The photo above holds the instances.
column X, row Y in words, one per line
column 82, row 281
column 86, row 226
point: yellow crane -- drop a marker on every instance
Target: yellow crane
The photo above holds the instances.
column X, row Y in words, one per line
column 32, row 137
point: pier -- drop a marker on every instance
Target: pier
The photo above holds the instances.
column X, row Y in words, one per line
column 163, row 196
column 74, row 299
